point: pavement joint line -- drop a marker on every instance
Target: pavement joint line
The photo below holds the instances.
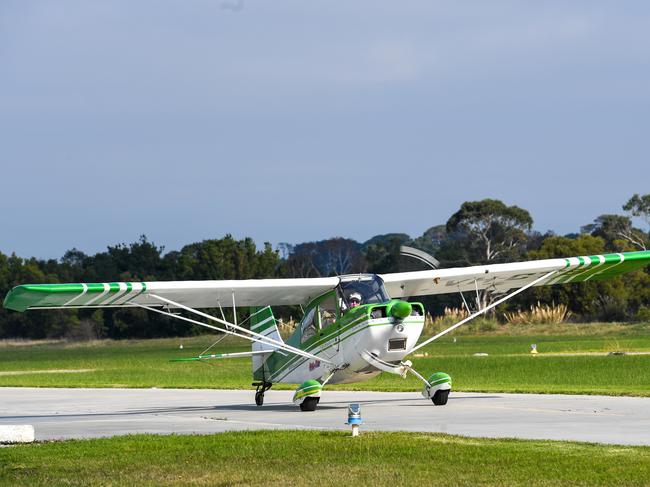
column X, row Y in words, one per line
column 280, row 425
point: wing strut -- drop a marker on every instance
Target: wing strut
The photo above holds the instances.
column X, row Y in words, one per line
column 284, row 347
column 254, row 337
column 484, row 310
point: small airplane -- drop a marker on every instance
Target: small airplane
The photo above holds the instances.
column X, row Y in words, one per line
column 354, row 326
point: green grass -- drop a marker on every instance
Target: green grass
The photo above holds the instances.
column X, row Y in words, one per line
column 509, row 367
column 321, row 458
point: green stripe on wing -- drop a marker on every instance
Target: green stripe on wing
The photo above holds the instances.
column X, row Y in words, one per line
column 604, row 267
column 29, row 296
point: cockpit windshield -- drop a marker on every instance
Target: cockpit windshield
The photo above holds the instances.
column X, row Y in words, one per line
column 363, row 289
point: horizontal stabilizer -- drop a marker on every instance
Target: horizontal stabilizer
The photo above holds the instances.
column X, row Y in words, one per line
column 222, row 355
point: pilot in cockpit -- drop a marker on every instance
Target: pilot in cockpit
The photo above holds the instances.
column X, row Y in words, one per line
column 354, row 300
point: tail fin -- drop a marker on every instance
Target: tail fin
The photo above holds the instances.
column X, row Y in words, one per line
column 263, row 322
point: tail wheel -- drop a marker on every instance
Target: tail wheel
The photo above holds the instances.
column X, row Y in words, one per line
column 259, row 398
column 262, row 387
column 440, row 397
column 309, row 404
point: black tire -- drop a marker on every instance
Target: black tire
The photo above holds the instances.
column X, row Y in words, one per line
column 440, row 397
column 259, row 398
column 309, row 404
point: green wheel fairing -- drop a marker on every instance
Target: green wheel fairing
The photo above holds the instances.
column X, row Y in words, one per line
column 438, row 381
column 439, row 378
column 309, row 388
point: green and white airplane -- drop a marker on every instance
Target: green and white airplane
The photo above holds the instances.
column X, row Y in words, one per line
column 354, row 326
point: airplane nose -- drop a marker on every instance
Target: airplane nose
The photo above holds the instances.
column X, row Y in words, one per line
column 400, row 309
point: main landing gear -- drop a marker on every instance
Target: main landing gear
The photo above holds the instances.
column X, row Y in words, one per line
column 436, row 387
column 309, row 404
column 262, row 387
column 308, row 395
column 440, row 397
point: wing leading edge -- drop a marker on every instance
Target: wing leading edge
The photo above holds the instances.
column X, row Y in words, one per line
column 195, row 294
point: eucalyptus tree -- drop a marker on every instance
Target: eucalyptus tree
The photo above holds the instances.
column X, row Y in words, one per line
column 489, row 231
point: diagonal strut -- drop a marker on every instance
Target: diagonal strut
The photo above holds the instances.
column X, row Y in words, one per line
column 484, row 310
column 259, row 337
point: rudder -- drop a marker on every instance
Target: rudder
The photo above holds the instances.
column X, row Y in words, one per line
column 263, row 322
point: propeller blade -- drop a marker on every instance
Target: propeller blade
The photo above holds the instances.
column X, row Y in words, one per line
column 420, row 256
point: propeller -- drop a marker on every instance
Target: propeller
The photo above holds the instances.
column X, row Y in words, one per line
column 412, row 259
column 416, row 256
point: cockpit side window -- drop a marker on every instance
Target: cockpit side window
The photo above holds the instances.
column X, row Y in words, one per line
column 308, row 326
column 328, row 311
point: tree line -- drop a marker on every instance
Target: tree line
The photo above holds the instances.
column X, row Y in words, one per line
column 480, row 232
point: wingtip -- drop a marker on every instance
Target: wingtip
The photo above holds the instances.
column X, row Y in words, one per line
column 13, row 300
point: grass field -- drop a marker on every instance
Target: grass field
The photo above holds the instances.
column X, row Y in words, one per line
column 321, row 458
column 509, row 367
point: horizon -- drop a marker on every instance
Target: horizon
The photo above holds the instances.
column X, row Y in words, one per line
column 258, row 244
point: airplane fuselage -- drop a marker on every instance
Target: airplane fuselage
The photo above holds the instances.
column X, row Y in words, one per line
column 358, row 342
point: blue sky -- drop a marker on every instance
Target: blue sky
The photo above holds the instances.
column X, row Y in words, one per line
column 296, row 121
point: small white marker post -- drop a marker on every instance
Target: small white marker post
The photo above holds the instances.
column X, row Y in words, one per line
column 16, row 433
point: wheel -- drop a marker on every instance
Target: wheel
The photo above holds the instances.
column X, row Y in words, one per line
column 259, row 398
column 309, row 404
column 440, row 397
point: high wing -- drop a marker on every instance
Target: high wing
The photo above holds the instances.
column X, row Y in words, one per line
column 194, row 294
column 270, row 292
column 502, row 277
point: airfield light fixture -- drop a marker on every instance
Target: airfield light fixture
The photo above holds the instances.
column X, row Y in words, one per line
column 354, row 417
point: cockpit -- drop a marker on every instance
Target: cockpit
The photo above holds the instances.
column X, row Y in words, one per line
column 366, row 288
column 353, row 290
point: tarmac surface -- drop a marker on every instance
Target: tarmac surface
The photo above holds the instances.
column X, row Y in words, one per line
column 86, row 413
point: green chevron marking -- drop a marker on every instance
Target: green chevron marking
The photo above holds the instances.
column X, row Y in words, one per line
column 26, row 296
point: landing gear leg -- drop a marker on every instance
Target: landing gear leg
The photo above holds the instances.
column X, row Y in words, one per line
column 262, row 387
column 436, row 387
